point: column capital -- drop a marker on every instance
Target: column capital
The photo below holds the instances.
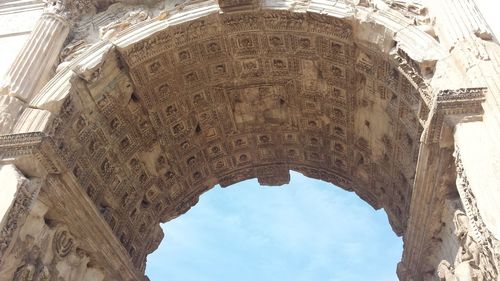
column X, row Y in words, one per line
column 70, row 10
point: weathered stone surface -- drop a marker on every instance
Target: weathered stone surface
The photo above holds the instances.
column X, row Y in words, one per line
column 153, row 105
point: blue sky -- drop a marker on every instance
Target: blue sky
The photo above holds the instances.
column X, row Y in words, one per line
column 306, row 230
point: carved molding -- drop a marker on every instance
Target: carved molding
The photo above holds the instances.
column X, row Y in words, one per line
column 156, row 128
column 238, row 5
column 462, row 103
column 24, row 198
column 488, row 251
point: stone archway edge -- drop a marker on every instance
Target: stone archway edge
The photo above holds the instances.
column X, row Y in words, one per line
column 425, row 49
column 408, row 48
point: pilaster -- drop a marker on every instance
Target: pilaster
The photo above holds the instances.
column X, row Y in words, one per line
column 35, row 64
column 459, row 20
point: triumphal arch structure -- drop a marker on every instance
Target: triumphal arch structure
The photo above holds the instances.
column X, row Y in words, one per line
column 116, row 115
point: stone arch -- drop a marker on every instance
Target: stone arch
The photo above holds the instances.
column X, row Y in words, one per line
column 207, row 100
column 140, row 125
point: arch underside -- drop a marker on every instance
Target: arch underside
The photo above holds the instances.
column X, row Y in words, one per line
column 228, row 97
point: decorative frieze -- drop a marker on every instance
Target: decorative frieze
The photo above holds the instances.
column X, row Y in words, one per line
column 462, row 103
column 478, row 256
column 16, row 214
column 195, row 98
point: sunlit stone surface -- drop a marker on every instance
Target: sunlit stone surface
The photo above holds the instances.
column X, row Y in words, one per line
column 117, row 116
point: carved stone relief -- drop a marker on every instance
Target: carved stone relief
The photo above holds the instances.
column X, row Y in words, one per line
column 71, row 10
column 221, row 97
column 477, row 256
column 47, row 252
column 181, row 124
column 19, row 209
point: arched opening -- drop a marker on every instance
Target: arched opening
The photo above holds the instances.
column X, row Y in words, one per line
column 146, row 124
column 128, row 134
column 305, row 230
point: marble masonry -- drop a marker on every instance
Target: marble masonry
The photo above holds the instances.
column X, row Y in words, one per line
column 115, row 116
